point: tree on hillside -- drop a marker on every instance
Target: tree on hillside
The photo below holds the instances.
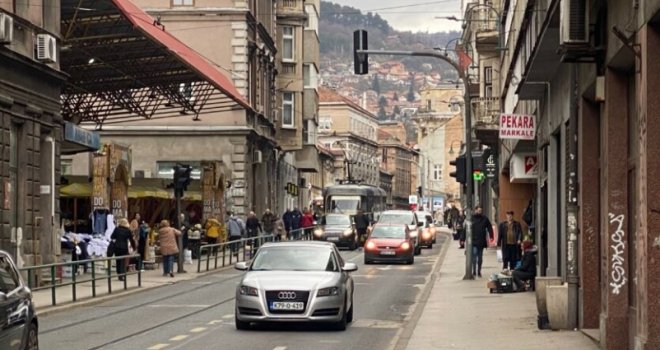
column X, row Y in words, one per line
column 395, row 97
column 382, row 115
column 382, row 102
column 396, row 110
column 375, row 85
column 411, row 92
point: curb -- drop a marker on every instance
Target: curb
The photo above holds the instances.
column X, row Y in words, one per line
column 69, row 305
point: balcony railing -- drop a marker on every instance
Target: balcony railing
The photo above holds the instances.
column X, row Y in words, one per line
column 486, row 111
column 483, row 19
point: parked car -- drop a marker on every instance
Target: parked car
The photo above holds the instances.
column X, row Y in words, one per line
column 338, row 229
column 295, row 281
column 390, row 243
column 404, row 217
column 19, row 327
column 428, row 228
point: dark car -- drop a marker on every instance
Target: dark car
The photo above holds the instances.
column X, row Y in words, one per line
column 390, row 243
column 338, row 229
column 404, row 217
column 18, row 321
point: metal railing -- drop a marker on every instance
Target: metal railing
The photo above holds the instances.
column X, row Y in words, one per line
column 486, row 110
column 227, row 253
column 55, row 282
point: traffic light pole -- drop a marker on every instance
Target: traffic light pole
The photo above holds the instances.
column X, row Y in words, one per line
column 179, row 266
column 468, row 141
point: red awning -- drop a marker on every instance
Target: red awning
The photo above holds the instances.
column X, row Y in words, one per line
column 124, row 66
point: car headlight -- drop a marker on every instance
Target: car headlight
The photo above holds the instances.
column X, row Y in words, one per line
column 405, row 245
column 326, row 292
column 318, row 232
column 348, row 232
column 247, row 290
column 426, row 235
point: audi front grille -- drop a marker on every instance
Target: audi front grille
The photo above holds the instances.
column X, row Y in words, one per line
column 287, row 296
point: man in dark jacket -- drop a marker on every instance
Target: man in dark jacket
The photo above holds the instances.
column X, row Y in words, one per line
column 509, row 239
column 482, row 231
column 268, row 222
column 296, row 217
column 361, row 225
column 527, row 270
column 121, row 237
column 287, row 218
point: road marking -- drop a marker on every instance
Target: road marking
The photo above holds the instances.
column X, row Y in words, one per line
column 228, row 316
column 201, row 282
column 174, row 306
column 158, row 346
column 214, row 322
column 379, row 324
column 198, row 330
column 279, row 348
column 329, row 341
column 362, row 283
column 179, row 337
column 388, row 267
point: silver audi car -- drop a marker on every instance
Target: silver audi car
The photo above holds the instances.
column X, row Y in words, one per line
column 293, row 282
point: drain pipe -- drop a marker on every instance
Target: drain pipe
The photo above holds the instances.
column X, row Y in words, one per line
column 573, row 276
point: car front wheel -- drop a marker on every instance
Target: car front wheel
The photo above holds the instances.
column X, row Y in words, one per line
column 241, row 325
column 32, row 338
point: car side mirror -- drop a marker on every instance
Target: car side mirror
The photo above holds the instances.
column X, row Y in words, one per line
column 350, row 267
column 241, row 266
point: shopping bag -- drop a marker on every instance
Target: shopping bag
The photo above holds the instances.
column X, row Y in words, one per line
column 500, row 258
column 187, row 256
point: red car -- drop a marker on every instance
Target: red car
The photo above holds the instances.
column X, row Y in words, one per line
column 390, row 243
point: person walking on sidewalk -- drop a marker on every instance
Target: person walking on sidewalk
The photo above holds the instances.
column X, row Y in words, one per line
column 235, row 231
column 143, row 238
column 122, row 236
column 252, row 226
column 307, row 222
column 268, row 221
column 482, row 231
column 509, row 239
column 167, row 237
column 527, row 270
column 460, row 229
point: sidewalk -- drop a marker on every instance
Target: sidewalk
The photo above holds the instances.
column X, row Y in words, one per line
column 464, row 315
column 150, row 279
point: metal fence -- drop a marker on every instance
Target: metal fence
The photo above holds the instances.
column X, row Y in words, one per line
column 54, row 282
column 227, row 253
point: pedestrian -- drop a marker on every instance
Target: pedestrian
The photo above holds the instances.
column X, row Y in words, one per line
column 508, row 240
column 527, row 270
column 268, row 221
column 482, row 231
column 280, row 232
column 287, row 217
column 167, row 237
column 135, row 226
column 361, row 225
column 143, row 237
column 296, row 217
column 212, row 232
column 307, row 222
column 460, row 229
column 122, row 236
column 252, row 227
column 235, row 230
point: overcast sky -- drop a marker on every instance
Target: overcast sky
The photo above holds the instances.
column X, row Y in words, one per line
column 414, row 15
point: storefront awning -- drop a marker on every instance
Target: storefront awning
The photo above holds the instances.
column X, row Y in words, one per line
column 77, row 139
column 123, row 65
column 81, row 190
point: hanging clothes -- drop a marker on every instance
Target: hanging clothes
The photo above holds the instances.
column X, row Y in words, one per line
column 99, row 221
column 110, row 226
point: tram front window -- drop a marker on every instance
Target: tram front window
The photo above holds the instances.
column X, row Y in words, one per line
column 344, row 204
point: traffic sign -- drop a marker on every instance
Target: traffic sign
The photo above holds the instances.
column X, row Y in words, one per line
column 491, row 166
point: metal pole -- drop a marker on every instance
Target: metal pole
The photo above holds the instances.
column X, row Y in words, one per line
column 178, row 194
column 573, row 276
column 468, row 142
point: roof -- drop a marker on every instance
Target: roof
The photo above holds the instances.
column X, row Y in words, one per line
column 327, row 95
column 124, row 65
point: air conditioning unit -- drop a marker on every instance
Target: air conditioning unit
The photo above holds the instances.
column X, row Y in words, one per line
column 574, row 22
column 46, row 48
column 6, row 28
column 258, row 157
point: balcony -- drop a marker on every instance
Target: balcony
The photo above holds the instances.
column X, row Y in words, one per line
column 486, row 112
column 485, row 24
column 291, row 9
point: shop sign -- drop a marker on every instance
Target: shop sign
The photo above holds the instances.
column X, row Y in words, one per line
column 491, row 166
column 412, row 199
column 87, row 138
column 517, row 126
column 100, row 196
column 523, row 168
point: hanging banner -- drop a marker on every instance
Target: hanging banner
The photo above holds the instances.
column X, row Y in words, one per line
column 517, row 126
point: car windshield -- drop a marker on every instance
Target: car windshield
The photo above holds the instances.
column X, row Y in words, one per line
column 389, row 232
column 337, row 220
column 291, row 258
column 397, row 218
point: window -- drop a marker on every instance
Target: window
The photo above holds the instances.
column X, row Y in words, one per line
column 312, row 19
column 310, row 76
column 183, row 2
column 325, row 124
column 8, row 277
column 309, row 132
column 288, row 104
column 437, row 172
column 488, row 82
column 66, row 166
column 287, row 44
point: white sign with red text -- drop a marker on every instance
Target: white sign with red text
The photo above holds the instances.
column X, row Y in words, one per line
column 517, row 126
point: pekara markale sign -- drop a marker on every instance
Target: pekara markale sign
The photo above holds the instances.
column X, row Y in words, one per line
column 517, row 126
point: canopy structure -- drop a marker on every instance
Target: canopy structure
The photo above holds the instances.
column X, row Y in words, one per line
column 81, row 190
column 125, row 66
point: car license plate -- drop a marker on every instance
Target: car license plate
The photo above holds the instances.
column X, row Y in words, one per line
column 387, row 252
column 287, row 305
column 333, row 238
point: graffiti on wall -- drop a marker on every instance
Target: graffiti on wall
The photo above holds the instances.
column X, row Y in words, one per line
column 618, row 246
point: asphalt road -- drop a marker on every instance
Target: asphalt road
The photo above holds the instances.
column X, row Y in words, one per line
column 198, row 314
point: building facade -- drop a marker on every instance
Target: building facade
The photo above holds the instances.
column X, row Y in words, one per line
column 593, row 155
column 32, row 130
column 344, row 126
column 398, row 160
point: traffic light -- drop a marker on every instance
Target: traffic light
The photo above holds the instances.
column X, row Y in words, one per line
column 419, row 190
column 360, row 60
column 181, row 179
column 459, row 174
